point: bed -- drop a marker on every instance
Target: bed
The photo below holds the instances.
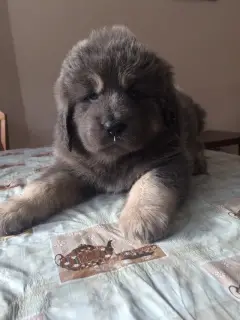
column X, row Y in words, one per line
column 193, row 274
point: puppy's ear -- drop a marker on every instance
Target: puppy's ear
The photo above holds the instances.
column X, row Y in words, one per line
column 65, row 109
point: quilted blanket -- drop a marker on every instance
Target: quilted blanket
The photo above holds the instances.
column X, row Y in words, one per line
column 78, row 266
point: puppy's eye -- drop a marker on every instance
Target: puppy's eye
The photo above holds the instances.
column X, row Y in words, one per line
column 91, row 97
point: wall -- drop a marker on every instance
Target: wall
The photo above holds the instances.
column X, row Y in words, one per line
column 199, row 38
column 10, row 95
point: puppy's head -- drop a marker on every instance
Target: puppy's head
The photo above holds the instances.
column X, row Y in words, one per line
column 113, row 94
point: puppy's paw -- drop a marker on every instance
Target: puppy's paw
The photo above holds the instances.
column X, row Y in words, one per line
column 143, row 225
column 15, row 217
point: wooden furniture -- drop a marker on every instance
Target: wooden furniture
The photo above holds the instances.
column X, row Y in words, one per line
column 3, row 132
column 214, row 140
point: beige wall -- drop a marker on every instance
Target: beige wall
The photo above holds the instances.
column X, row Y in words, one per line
column 201, row 39
column 10, row 95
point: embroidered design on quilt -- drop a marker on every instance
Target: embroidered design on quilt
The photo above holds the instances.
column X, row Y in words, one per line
column 91, row 257
column 40, row 169
column 227, row 272
column 87, row 256
column 10, row 165
column 234, row 215
column 233, row 207
column 12, row 185
column 6, row 153
column 235, row 291
column 44, row 154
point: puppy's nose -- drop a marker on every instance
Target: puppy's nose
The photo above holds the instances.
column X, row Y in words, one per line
column 115, row 128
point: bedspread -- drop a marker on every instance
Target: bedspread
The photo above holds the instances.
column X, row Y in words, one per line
column 78, row 266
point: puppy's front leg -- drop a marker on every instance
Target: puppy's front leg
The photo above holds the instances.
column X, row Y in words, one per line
column 152, row 201
column 41, row 199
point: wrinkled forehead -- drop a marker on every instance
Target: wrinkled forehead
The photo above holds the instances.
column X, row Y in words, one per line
column 98, row 67
column 105, row 73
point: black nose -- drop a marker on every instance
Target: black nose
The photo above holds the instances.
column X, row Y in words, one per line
column 115, row 128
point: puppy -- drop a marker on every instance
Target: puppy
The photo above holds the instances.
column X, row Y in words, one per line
column 121, row 126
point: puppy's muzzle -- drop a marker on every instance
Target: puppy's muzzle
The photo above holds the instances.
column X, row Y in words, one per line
column 115, row 128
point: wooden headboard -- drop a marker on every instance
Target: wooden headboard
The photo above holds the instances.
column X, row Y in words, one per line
column 3, row 131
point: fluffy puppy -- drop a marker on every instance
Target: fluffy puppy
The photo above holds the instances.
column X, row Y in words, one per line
column 121, row 126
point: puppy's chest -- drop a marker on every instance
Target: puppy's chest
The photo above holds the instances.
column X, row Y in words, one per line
column 122, row 176
column 118, row 179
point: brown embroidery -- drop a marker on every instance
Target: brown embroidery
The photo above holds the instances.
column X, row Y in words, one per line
column 46, row 154
column 87, row 256
column 137, row 253
column 233, row 207
column 235, row 215
column 5, row 154
column 104, row 257
column 11, row 186
column 40, row 169
column 4, row 166
column 235, row 291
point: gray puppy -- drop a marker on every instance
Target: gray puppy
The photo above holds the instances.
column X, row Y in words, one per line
column 122, row 126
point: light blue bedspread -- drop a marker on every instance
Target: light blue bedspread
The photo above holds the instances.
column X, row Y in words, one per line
column 194, row 274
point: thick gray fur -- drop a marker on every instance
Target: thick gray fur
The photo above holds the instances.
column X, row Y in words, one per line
column 112, row 76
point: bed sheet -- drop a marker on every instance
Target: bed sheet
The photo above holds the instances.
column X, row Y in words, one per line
column 48, row 272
